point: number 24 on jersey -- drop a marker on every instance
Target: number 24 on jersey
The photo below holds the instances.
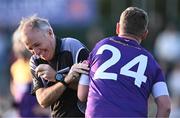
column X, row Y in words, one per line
column 139, row 76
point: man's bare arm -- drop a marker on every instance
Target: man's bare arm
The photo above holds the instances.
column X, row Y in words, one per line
column 163, row 106
column 47, row 96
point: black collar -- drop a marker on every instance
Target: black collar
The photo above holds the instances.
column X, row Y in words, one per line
column 58, row 45
column 57, row 49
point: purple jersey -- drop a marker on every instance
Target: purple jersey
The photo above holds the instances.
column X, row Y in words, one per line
column 122, row 75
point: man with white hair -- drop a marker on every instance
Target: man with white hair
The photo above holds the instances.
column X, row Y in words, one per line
column 53, row 84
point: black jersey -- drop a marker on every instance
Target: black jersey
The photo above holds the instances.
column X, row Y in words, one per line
column 68, row 52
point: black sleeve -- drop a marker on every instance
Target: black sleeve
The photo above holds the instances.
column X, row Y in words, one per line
column 37, row 82
column 83, row 55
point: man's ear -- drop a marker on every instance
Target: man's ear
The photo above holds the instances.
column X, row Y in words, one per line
column 117, row 28
column 50, row 32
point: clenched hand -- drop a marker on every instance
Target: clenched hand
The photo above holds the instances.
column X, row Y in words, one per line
column 46, row 72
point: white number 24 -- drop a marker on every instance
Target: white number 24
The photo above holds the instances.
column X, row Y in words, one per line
column 125, row 70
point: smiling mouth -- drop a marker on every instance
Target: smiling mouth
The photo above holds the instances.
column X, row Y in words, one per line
column 44, row 55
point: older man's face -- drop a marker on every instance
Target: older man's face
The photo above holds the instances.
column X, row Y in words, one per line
column 39, row 43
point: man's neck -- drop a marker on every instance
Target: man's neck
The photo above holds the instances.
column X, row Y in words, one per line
column 131, row 37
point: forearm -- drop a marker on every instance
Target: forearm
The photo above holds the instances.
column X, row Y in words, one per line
column 72, row 81
column 163, row 113
column 82, row 92
column 163, row 106
column 83, row 87
column 47, row 96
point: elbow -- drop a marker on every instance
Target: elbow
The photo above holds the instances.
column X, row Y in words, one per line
column 164, row 109
column 167, row 108
column 42, row 98
column 43, row 103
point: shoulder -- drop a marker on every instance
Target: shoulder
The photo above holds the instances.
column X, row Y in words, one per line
column 98, row 45
column 154, row 69
column 70, row 41
column 33, row 59
column 71, row 44
column 75, row 48
column 152, row 62
column 151, row 57
column 103, row 41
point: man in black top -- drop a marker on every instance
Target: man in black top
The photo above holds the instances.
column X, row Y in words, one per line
column 52, row 58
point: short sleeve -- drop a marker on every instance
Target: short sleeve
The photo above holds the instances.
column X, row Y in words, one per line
column 159, row 87
column 78, row 50
column 84, row 79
